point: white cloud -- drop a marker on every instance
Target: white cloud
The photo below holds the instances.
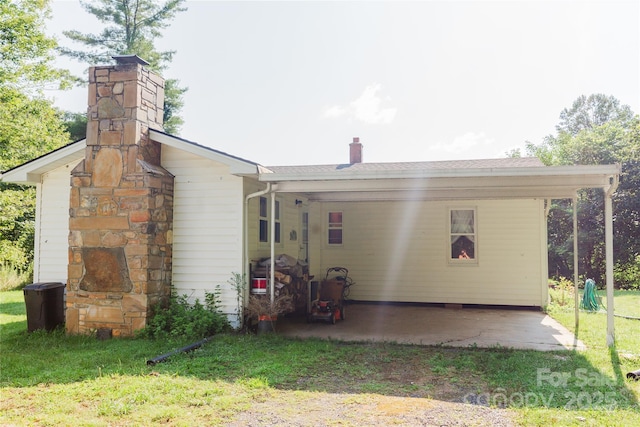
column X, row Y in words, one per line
column 469, row 145
column 367, row 108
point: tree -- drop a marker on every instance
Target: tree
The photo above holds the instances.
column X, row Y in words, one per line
column 26, row 53
column 596, row 130
column 591, row 112
column 29, row 124
column 131, row 28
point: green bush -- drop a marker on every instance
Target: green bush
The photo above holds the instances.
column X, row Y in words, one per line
column 12, row 278
column 561, row 292
column 627, row 276
column 180, row 319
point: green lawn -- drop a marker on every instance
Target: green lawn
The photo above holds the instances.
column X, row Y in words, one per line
column 54, row 379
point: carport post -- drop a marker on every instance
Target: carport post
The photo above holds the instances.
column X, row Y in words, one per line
column 608, row 239
column 272, row 249
column 575, row 260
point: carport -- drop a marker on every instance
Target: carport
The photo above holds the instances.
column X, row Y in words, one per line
column 442, row 181
column 430, row 326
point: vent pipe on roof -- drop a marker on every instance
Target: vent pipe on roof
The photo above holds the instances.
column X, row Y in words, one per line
column 355, row 151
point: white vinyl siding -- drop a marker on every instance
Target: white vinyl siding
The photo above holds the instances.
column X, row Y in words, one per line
column 400, row 251
column 289, row 220
column 52, row 226
column 207, row 227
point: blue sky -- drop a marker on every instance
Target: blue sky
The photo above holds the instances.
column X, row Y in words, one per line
column 284, row 83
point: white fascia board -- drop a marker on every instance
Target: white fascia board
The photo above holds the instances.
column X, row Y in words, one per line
column 30, row 173
column 236, row 165
column 560, row 171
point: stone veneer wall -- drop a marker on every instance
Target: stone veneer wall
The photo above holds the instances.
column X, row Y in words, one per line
column 121, row 206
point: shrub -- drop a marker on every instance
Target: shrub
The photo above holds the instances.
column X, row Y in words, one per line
column 561, row 292
column 627, row 276
column 180, row 319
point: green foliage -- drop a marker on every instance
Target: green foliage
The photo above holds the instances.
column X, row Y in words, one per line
column 76, row 125
column 12, row 279
column 17, row 221
column 627, row 275
column 561, row 293
column 26, row 52
column 131, row 27
column 595, row 130
column 180, row 319
column 591, row 112
column 29, row 127
column 29, row 124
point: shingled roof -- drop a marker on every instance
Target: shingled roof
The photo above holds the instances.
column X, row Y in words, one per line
column 511, row 162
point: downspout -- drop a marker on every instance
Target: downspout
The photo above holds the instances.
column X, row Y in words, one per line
column 608, row 238
column 245, row 261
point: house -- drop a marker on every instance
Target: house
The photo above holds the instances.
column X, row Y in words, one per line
column 132, row 211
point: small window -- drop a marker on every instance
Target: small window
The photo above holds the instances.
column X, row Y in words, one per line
column 463, row 241
column 335, row 228
column 264, row 223
column 277, row 220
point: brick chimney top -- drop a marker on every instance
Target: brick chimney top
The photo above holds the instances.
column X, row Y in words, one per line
column 355, row 151
column 129, row 59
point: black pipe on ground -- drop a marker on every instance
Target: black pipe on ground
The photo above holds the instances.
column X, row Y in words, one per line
column 634, row 375
column 186, row 349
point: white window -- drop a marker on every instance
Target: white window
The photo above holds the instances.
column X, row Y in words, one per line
column 335, row 228
column 263, row 225
column 264, row 222
column 463, row 234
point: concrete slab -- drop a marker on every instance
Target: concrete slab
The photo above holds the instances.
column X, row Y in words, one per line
column 422, row 325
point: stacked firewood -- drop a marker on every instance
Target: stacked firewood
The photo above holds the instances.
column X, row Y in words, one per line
column 291, row 278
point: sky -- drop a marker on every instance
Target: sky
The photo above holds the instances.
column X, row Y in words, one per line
column 291, row 83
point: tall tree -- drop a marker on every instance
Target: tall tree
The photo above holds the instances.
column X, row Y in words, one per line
column 593, row 111
column 131, row 28
column 595, row 130
column 29, row 124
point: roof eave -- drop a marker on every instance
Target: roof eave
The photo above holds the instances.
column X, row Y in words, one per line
column 533, row 171
column 30, row 173
column 237, row 165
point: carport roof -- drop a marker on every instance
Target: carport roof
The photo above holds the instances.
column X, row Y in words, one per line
column 460, row 179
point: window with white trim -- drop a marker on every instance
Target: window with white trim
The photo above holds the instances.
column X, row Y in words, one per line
column 463, row 234
column 277, row 220
column 263, row 223
column 334, row 228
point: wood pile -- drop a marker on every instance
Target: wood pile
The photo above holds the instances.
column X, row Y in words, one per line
column 291, row 278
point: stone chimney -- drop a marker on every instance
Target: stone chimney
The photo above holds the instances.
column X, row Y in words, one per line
column 355, row 151
column 121, row 205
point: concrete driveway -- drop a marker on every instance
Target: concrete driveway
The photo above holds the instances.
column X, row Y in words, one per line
column 425, row 325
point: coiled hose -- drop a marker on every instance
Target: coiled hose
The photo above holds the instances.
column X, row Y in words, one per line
column 590, row 300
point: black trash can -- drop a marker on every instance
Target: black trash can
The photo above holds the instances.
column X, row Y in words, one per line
column 45, row 305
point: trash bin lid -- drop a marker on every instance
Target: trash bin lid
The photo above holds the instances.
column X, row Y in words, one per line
column 41, row 286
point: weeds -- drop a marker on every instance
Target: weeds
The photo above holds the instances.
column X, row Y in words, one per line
column 182, row 319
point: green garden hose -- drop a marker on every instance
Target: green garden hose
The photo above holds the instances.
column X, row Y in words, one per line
column 590, row 300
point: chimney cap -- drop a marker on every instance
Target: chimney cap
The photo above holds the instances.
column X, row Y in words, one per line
column 129, row 59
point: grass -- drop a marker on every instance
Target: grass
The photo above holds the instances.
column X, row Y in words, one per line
column 11, row 279
column 54, row 379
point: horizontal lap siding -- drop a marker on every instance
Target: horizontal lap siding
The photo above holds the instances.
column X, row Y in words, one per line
column 207, row 227
column 53, row 228
column 399, row 252
column 289, row 221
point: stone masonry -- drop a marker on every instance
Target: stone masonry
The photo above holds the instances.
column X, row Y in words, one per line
column 121, row 205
